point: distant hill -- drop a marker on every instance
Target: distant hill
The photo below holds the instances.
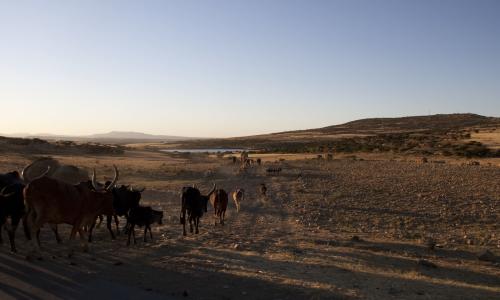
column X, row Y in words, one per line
column 415, row 123
column 135, row 135
column 113, row 137
column 445, row 134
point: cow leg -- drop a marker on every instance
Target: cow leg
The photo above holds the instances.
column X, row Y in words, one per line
column 56, row 233
column 11, row 230
column 196, row 223
column 183, row 222
column 117, row 223
column 108, row 225
column 129, row 234
column 191, row 224
column 145, row 232
column 34, row 223
column 1, row 238
column 84, row 239
column 150, row 233
column 101, row 218
column 223, row 215
column 91, row 229
column 72, row 235
column 132, row 228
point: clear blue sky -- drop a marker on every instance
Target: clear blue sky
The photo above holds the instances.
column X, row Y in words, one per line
column 230, row 68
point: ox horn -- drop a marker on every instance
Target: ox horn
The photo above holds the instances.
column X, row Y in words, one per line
column 115, row 180
column 23, row 172
column 213, row 189
column 94, row 183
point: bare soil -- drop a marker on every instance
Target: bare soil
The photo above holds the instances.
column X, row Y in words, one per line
column 341, row 229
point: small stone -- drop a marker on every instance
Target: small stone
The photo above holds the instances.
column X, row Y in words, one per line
column 426, row 263
column 355, row 239
column 487, row 255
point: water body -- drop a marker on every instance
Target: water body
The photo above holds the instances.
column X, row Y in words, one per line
column 203, row 150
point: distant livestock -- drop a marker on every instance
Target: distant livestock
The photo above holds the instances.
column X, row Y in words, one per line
column 193, row 204
column 263, row 189
column 219, row 200
column 273, row 170
column 238, row 196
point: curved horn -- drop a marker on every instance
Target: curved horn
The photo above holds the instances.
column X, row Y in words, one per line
column 94, row 183
column 23, row 172
column 213, row 189
column 115, row 180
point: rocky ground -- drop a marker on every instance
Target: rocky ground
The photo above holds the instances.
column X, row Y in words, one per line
column 341, row 229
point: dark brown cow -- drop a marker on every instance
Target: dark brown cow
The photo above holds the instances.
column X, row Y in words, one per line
column 219, row 200
column 193, row 203
column 55, row 202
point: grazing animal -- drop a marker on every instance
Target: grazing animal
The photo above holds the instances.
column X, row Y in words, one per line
column 238, row 196
column 143, row 216
column 193, row 204
column 55, row 202
column 234, row 159
column 259, row 161
column 243, row 157
column 219, row 200
column 11, row 205
column 263, row 189
column 275, row 170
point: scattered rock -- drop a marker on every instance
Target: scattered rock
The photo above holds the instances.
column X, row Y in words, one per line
column 487, row 255
column 426, row 263
column 356, row 239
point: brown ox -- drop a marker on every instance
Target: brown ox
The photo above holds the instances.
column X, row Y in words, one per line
column 55, row 202
column 219, row 200
column 238, row 196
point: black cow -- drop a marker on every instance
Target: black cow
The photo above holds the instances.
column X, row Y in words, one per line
column 143, row 216
column 11, row 205
column 194, row 204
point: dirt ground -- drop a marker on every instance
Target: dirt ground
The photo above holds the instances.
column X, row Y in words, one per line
column 341, row 229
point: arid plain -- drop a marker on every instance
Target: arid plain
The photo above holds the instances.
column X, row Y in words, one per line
column 358, row 226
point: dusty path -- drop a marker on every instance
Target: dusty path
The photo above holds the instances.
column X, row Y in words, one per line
column 289, row 245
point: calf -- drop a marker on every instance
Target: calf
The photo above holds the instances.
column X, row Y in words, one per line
column 193, row 204
column 219, row 200
column 238, row 196
column 11, row 205
column 143, row 216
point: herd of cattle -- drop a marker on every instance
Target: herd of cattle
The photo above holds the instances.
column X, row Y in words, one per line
column 47, row 192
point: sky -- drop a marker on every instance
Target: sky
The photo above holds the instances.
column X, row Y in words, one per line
column 211, row 68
